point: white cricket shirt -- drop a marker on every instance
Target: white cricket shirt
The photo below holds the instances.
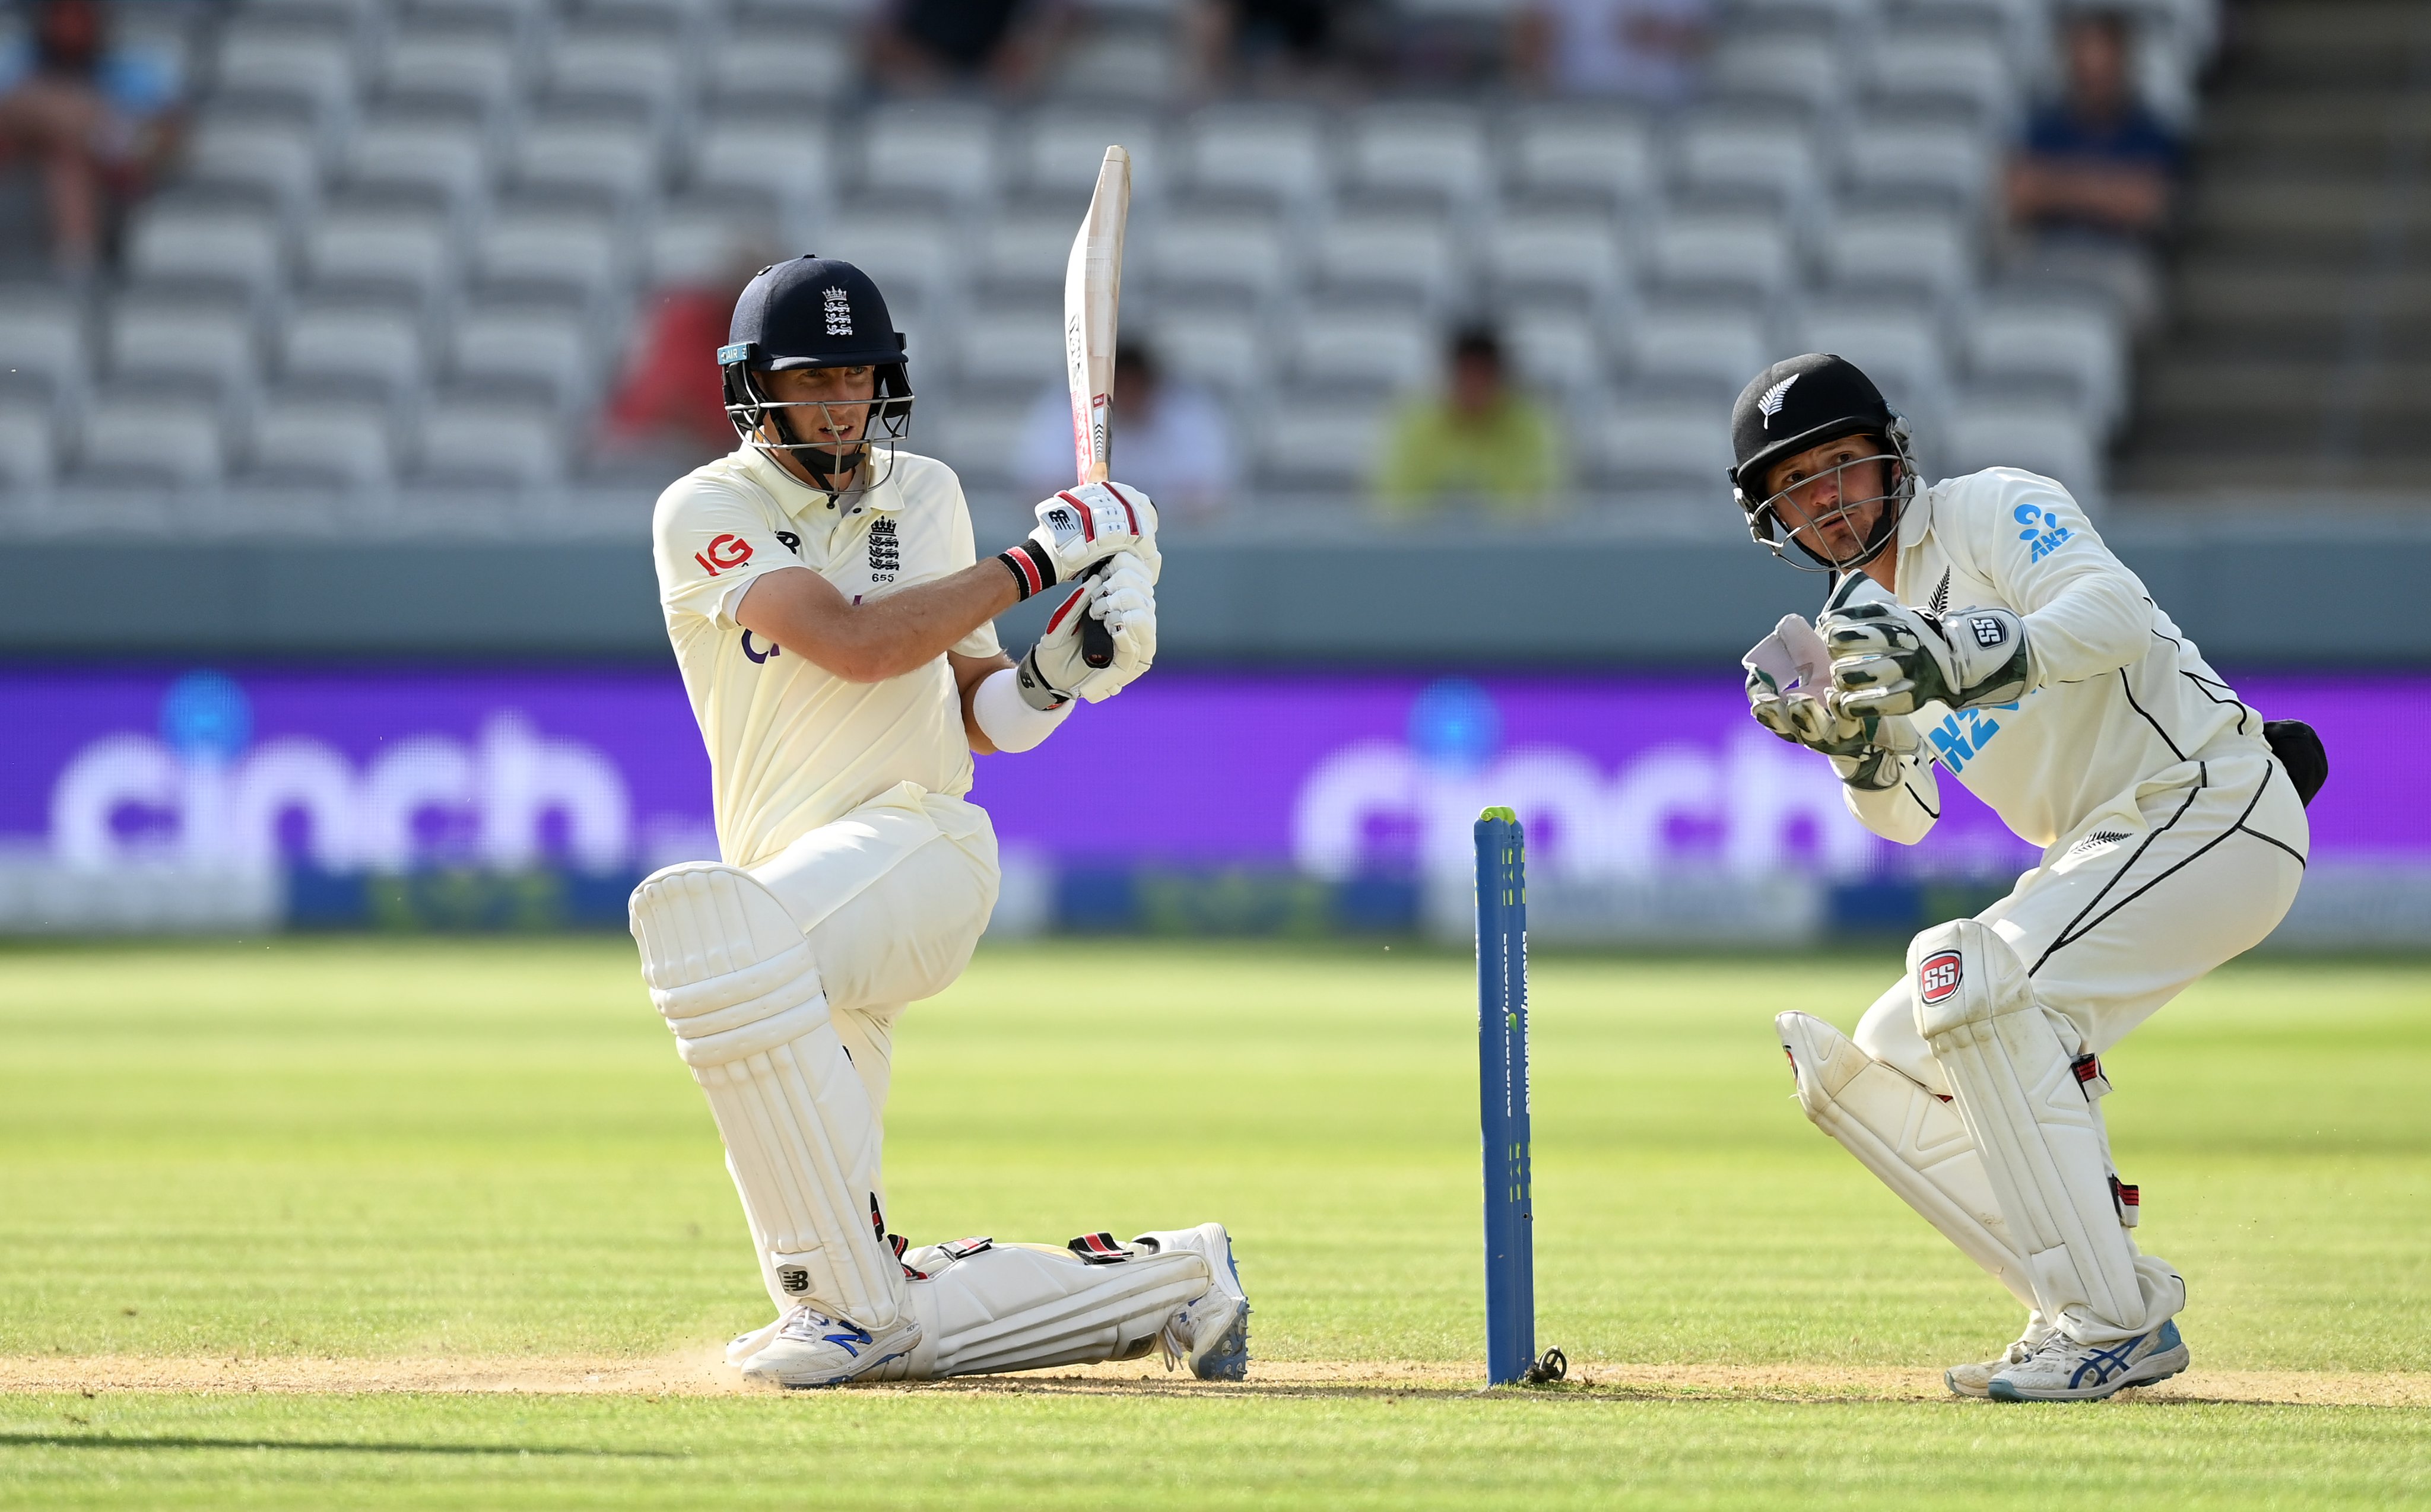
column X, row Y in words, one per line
column 792, row 746
column 2119, row 697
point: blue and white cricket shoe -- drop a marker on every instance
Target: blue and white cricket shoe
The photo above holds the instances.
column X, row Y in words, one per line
column 1211, row 1332
column 811, row 1349
column 2061, row 1370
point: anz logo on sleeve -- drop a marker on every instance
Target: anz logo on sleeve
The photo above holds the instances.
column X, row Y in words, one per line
column 1962, row 735
column 2043, row 529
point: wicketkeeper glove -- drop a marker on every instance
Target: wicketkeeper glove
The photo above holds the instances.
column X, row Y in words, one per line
column 1888, row 659
column 1080, row 528
column 1781, row 671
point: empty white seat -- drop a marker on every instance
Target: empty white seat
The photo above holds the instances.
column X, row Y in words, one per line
column 324, row 441
column 1025, row 250
column 1554, row 348
column 1005, row 348
column 932, row 149
column 408, row 249
column 1635, row 445
column 361, row 343
column 1436, row 151
column 218, row 244
column 484, row 440
column 472, row 65
column 1321, row 443
column 616, row 157
column 914, row 256
column 43, row 338
column 1573, row 251
column 188, row 341
column 1061, row 148
column 1273, row 152
column 688, row 246
column 1218, row 348
column 1410, row 255
column 784, row 69
column 548, row 246
column 1336, row 348
column 165, row 440
column 2053, row 440
column 1889, row 155
column 29, row 454
column 1967, row 66
column 272, row 157
column 1917, row 249
column 1569, row 152
column 1720, row 346
column 981, row 437
column 1122, row 65
column 315, row 68
column 450, row 157
column 537, row 349
column 2078, row 344
column 1800, row 67
column 791, row 163
column 1899, row 346
column 1729, row 155
column 1746, row 251
column 640, row 66
column 1243, row 253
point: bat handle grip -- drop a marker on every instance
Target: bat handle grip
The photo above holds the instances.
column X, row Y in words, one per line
column 1096, row 642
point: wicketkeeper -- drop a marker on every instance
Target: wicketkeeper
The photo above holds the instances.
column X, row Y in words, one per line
column 832, row 623
column 1980, row 624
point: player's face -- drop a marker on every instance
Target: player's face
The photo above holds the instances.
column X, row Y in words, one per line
column 1831, row 497
column 828, row 393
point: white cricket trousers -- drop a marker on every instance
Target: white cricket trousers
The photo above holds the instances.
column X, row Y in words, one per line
column 2190, row 868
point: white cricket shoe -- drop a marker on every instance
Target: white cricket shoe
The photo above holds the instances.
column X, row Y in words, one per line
column 1975, row 1380
column 740, row 1348
column 1211, row 1331
column 2061, row 1370
column 811, row 1349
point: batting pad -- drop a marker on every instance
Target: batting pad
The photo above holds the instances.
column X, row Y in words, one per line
column 732, row 974
column 1020, row 1307
column 2038, row 1135
column 1915, row 1142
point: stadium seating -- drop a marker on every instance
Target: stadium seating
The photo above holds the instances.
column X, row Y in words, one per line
column 419, row 229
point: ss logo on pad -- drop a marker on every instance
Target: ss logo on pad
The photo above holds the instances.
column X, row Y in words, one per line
column 1938, row 976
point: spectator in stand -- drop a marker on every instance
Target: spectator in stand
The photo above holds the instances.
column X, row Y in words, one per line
column 1172, row 437
column 1479, row 442
column 2090, row 183
column 91, row 124
column 1648, row 50
column 926, row 46
column 1279, row 47
column 668, row 409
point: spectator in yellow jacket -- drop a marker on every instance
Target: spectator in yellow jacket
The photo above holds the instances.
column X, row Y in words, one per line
column 1480, row 443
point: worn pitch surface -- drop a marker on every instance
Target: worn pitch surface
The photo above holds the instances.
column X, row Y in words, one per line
column 314, row 1218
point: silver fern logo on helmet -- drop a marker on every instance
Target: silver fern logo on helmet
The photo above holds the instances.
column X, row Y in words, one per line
column 1774, row 398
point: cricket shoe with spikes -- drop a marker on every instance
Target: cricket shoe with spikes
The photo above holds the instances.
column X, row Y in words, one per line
column 1211, row 1332
column 2061, row 1370
column 811, row 1349
column 1975, row 1379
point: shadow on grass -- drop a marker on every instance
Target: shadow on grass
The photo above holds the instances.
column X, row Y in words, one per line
column 158, row 1441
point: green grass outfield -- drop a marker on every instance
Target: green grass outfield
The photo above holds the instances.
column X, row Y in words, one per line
column 365, row 1165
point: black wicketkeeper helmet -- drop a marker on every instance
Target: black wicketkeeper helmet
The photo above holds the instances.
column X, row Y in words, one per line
column 816, row 312
column 1802, row 402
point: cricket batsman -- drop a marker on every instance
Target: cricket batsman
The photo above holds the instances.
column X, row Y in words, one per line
column 833, row 626
column 1979, row 624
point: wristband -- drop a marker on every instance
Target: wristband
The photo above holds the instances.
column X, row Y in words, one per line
column 1032, row 569
column 1005, row 715
column 1035, row 690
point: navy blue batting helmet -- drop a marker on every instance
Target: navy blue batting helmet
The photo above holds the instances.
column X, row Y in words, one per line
column 814, row 311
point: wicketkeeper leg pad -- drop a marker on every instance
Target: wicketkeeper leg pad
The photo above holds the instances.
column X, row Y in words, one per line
column 729, row 970
column 985, row 1307
column 1911, row 1139
column 2014, row 1081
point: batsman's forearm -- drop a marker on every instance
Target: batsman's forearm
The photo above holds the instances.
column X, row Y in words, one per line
column 880, row 638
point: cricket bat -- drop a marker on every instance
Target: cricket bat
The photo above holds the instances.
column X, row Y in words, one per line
column 1092, row 288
